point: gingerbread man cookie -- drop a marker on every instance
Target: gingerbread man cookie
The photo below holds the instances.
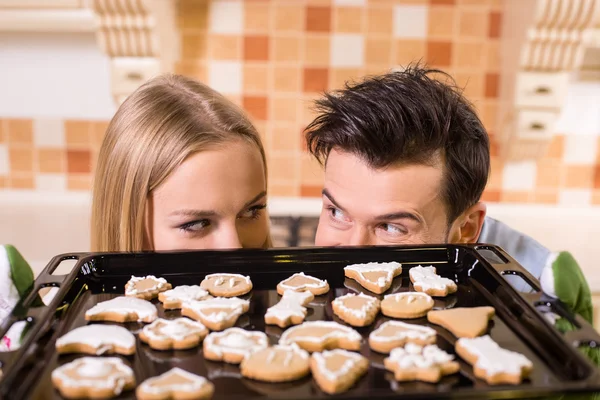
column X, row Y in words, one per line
column 406, row 305
column 276, row 364
column 356, row 309
column 300, row 282
column 147, row 287
column 217, row 313
column 321, row 335
column 122, row 309
column 173, row 334
column 97, row 339
column 290, row 310
column 233, row 344
column 426, row 280
column 226, row 285
column 392, row 334
column 336, row 371
column 417, row 363
column 174, row 298
column 467, row 322
column 375, row 277
column 175, row 384
column 492, row 363
column 93, row 377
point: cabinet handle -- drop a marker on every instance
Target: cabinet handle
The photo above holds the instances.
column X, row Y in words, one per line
column 536, row 126
column 134, row 76
column 542, row 90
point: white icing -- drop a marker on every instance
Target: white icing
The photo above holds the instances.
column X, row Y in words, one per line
column 237, row 341
column 231, row 282
column 100, row 337
column 405, row 331
column 222, row 276
column 492, row 358
column 288, row 350
column 195, row 382
column 369, row 307
column 415, row 356
column 219, row 281
column 93, row 368
column 288, row 358
column 337, row 330
column 291, row 304
column 145, row 310
column 130, row 289
column 317, row 283
column 185, row 293
column 389, row 268
column 271, row 356
column 411, row 297
column 176, row 329
column 236, row 308
column 425, row 278
column 352, row 359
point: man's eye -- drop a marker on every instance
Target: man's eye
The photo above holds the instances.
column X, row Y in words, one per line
column 195, row 226
column 338, row 214
column 391, row 229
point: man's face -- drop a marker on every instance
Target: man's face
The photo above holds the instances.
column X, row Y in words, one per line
column 395, row 205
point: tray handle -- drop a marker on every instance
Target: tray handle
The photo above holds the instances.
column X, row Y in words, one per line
column 504, row 264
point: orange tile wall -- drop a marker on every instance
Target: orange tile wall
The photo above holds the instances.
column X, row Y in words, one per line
column 274, row 57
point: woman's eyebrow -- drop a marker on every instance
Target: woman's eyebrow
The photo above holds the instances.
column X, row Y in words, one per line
column 255, row 199
column 193, row 213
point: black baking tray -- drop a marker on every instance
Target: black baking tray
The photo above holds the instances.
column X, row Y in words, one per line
column 479, row 270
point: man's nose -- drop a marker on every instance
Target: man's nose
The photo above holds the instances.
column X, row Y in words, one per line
column 360, row 237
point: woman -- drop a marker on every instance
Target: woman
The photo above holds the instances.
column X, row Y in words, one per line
column 181, row 167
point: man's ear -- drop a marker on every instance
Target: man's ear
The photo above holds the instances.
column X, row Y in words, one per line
column 467, row 227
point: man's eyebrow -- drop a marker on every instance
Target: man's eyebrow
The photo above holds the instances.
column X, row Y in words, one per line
column 207, row 213
column 399, row 215
column 331, row 199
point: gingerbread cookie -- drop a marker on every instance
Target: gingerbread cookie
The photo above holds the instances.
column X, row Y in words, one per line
column 301, row 283
column 175, row 384
column 426, row 280
column 336, row 371
column 173, row 334
column 174, row 298
column 417, row 363
column 276, row 364
column 226, row 285
column 322, row 335
column 356, row 309
column 147, row 287
column 406, row 305
column 290, row 310
column 122, row 309
column 97, row 339
column 233, row 344
column 492, row 363
column 93, row 377
column 216, row 314
column 467, row 322
column 392, row 334
column 375, row 277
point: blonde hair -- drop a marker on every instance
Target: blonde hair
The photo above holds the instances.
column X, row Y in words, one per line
column 155, row 129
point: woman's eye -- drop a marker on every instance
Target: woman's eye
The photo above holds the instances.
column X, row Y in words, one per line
column 393, row 229
column 195, row 226
column 338, row 214
column 253, row 212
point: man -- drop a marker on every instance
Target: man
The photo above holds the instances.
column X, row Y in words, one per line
column 406, row 161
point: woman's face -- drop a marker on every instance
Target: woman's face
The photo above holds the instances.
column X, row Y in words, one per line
column 215, row 199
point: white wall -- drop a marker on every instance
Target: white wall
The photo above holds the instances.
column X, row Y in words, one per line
column 581, row 112
column 53, row 75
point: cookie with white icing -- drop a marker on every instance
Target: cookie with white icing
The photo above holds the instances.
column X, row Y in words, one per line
column 146, row 287
column 392, row 334
column 417, row 363
column 322, row 335
column 173, row 334
column 226, row 285
column 492, row 363
column 375, row 277
column 173, row 299
column 233, row 344
column 217, row 313
column 97, row 339
column 93, row 377
column 406, row 305
column 426, row 280
column 175, row 384
column 300, row 282
column 467, row 322
column 290, row 310
column 276, row 364
column 122, row 309
column 356, row 309
column 336, row 371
